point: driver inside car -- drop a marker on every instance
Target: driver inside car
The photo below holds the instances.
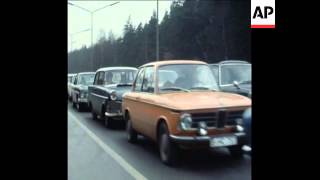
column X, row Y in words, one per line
column 184, row 79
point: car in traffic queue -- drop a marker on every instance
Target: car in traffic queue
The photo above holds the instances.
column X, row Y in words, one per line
column 70, row 81
column 233, row 76
column 178, row 105
column 105, row 95
column 247, row 118
column 79, row 89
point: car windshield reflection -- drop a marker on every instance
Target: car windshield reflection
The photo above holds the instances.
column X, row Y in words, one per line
column 186, row 77
column 120, row 77
column 239, row 73
column 86, row 79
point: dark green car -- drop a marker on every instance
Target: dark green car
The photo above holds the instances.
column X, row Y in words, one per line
column 105, row 95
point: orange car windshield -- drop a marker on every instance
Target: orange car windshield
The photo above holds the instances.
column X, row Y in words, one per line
column 186, row 77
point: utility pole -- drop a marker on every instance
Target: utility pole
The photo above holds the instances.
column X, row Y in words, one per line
column 157, row 38
column 91, row 29
column 92, row 13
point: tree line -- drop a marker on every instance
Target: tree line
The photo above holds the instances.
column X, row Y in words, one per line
column 205, row 30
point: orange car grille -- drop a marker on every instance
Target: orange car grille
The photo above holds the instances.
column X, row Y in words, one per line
column 216, row 119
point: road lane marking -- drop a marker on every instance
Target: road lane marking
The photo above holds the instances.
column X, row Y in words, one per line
column 132, row 171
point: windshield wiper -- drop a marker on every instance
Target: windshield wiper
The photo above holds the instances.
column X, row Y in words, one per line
column 175, row 89
column 124, row 84
column 203, row 88
column 245, row 82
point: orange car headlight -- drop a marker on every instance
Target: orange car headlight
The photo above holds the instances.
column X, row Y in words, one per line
column 185, row 121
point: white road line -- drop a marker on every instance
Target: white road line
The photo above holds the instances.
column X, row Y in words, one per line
column 132, row 171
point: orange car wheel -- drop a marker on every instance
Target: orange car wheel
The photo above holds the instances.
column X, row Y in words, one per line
column 168, row 149
column 132, row 135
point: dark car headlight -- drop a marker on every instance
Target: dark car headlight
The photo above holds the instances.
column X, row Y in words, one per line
column 247, row 113
column 246, row 116
column 239, row 121
column 113, row 96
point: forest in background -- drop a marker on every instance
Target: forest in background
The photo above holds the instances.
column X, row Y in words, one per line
column 205, row 30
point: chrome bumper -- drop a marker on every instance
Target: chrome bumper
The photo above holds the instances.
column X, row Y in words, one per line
column 205, row 140
column 82, row 100
column 119, row 114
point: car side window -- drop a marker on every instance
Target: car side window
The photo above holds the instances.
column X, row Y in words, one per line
column 138, row 83
column 75, row 80
column 148, row 80
column 101, row 78
column 215, row 70
column 96, row 78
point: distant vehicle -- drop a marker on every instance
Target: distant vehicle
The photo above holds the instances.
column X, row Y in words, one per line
column 105, row 95
column 247, row 128
column 177, row 104
column 70, row 81
column 79, row 90
column 233, row 76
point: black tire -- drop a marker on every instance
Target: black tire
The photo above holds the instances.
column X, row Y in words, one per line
column 108, row 122
column 236, row 151
column 102, row 116
column 79, row 107
column 73, row 104
column 93, row 114
column 168, row 150
column 132, row 135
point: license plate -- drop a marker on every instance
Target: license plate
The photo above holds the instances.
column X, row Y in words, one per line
column 223, row 141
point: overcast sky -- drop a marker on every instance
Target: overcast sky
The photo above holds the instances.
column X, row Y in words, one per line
column 111, row 18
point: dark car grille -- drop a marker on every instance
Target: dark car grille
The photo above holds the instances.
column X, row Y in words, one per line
column 114, row 106
column 216, row 119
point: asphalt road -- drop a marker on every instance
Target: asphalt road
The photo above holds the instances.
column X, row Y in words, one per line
column 95, row 152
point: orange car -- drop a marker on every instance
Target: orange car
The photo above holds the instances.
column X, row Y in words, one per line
column 178, row 105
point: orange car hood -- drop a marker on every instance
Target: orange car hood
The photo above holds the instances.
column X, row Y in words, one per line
column 202, row 100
